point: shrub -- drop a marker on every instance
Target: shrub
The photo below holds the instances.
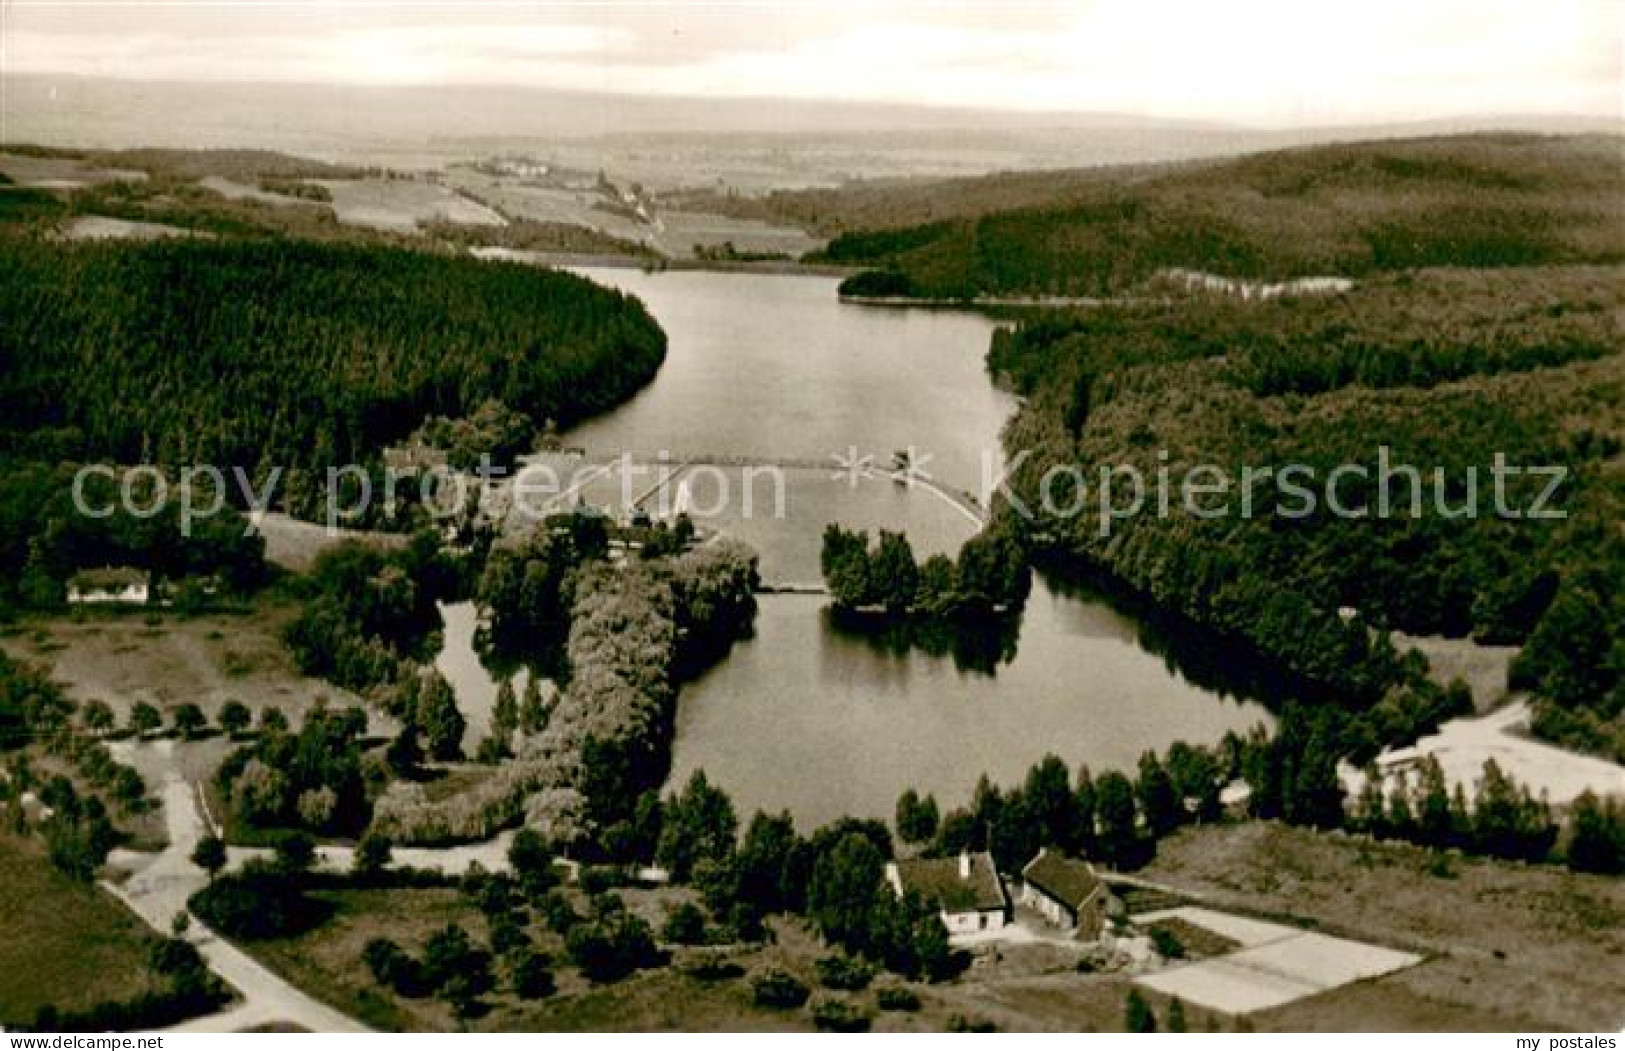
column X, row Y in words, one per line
column 372, row 855
column 840, row 1016
column 450, row 956
column 778, row 990
column 1137, row 1014
column 686, row 925
column 611, row 946
column 530, row 974
column 966, row 1024
column 1168, row 946
column 897, row 998
column 557, row 912
column 382, row 958
column 844, row 972
column 507, row 936
column 259, row 902
column 713, row 967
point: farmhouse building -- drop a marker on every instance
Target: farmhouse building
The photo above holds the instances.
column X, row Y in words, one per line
column 1066, row 892
column 966, row 890
column 122, row 584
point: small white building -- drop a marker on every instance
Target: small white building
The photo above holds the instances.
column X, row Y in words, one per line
column 114, row 584
column 966, row 890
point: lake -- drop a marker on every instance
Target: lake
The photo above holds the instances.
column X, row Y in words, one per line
column 811, row 715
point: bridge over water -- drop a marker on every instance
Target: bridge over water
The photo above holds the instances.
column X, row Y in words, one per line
column 670, row 467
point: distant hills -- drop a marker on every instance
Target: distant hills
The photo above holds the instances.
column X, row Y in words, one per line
column 751, row 143
column 1488, row 200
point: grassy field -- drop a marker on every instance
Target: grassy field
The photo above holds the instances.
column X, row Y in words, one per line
column 65, row 943
column 1014, row 992
column 1508, row 947
column 398, row 205
column 124, row 656
column 120, row 658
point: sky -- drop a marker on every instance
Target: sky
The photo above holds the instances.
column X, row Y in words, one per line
column 1272, row 63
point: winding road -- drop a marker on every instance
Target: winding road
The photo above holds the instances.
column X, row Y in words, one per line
column 158, row 888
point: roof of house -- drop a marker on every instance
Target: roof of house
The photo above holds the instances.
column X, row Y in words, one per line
column 109, row 577
column 938, row 880
column 1065, row 879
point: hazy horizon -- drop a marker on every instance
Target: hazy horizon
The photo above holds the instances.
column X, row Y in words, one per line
column 1255, row 65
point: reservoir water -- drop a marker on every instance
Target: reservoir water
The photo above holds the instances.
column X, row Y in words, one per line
column 809, row 715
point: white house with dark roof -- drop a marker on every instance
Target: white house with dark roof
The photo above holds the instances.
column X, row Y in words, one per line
column 1066, row 892
column 117, row 584
column 966, row 890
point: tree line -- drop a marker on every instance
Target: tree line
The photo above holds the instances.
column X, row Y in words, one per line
column 990, row 575
column 1117, row 817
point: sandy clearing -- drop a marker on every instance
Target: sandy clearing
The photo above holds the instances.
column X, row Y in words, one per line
column 1463, row 745
column 1232, row 988
column 1325, row 961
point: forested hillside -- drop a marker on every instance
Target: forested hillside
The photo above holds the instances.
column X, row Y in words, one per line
column 294, row 354
column 1351, row 210
column 1445, row 369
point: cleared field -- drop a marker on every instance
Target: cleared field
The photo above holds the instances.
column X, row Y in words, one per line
column 549, row 204
column 65, row 943
column 120, row 658
column 398, row 205
column 237, row 191
column 1276, row 965
column 681, row 231
column 1482, row 668
column 673, row 232
column 294, row 544
column 1506, row 946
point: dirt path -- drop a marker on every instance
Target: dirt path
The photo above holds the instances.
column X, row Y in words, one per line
column 158, row 888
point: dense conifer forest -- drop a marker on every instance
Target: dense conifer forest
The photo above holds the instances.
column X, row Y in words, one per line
column 1446, row 370
column 260, row 354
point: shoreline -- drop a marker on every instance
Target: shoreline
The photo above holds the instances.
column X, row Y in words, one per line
column 781, row 267
column 940, row 303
